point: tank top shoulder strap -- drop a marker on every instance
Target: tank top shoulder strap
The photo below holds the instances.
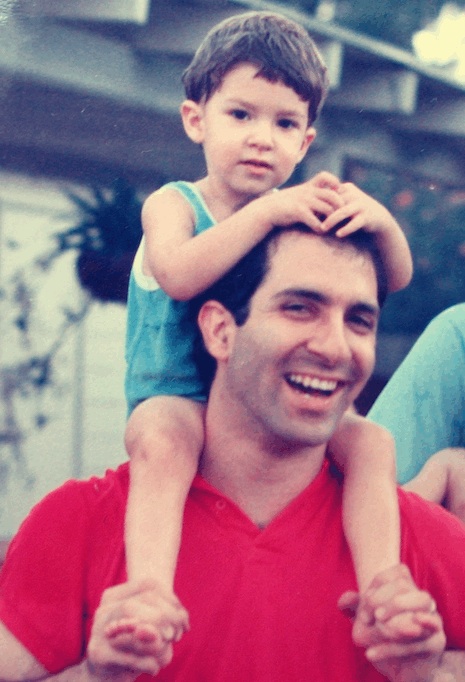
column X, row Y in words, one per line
column 189, row 191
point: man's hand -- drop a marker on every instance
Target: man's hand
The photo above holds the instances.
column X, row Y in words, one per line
column 133, row 632
column 398, row 625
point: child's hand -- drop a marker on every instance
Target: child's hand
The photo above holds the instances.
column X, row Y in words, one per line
column 134, row 630
column 361, row 211
column 308, row 203
column 398, row 624
column 168, row 622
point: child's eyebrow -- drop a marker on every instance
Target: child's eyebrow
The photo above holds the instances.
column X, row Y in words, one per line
column 246, row 104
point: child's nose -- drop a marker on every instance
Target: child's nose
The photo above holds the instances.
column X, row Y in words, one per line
column 262, row 134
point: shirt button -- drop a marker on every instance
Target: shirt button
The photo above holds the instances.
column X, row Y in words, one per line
column 220, row 505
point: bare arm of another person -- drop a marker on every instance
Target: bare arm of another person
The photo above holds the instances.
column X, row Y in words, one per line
column 442, row 480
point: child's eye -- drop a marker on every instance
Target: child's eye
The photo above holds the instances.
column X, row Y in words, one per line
column 287, row 123
column 239, row 114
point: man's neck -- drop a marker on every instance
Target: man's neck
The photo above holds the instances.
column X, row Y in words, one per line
column 262, row 480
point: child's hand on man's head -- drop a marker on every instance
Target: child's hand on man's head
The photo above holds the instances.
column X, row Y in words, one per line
column 309, row 202
column 359, row 211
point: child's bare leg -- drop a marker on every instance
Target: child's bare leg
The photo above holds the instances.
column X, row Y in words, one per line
column 365, row 453
column 164, row 438
column 442, row 480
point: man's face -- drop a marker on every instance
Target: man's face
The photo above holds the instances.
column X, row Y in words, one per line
column 308, row 345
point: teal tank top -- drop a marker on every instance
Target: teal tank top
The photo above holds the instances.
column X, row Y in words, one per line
column 161, row 332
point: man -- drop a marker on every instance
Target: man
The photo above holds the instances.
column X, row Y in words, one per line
column 263, row 560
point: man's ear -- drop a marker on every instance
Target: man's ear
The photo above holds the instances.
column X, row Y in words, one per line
column 192, row 120
column 310, row 135
column 217, row 326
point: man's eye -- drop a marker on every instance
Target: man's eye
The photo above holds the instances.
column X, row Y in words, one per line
column 364, row 323
column 239, row 114
column 296, row 309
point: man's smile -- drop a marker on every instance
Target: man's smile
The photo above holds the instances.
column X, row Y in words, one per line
column 312, row 385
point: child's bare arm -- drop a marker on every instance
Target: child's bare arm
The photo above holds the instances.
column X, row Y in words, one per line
column 365, row 454
column 185, row 266
column 365, row 213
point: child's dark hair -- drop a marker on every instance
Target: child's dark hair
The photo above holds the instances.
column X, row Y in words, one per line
column 279, row 48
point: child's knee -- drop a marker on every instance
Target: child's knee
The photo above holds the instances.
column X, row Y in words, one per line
column 157, row 431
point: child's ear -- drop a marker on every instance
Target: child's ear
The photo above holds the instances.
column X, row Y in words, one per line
column 217, row 327
column 310, row 135
column 192, row 120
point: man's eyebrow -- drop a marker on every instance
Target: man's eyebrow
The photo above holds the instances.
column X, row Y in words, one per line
column 309, row 294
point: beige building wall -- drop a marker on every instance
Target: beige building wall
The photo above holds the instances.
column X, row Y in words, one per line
column 84, row 408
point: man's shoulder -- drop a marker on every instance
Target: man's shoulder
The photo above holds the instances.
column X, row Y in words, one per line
column 429, row 530
column 433, row 546
column 76, row 503
column 72, row 519
column 95, row 489
column 414, row 508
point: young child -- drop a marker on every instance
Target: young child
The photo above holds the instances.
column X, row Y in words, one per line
column 254, row 89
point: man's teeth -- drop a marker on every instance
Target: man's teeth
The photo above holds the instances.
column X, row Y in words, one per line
column 313, row 383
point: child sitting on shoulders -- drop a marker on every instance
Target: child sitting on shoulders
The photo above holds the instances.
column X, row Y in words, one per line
column 253, row 91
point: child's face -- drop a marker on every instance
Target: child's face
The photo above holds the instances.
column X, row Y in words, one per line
column 253, row 132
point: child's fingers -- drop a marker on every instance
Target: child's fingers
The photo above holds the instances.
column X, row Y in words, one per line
column 321, row 206
column 412, row 602
column 399, row 650
column 402, row 628
column 147, row 633
column 145, row 640
column 129, row 643
column 348, row 603
column 326, row 179
column 338, row 216
column 330, row 197
column 410, row 625
column 429, row 622
column 120, row 627
column 353, row 225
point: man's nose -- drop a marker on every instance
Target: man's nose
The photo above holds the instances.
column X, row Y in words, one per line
column 328, row 340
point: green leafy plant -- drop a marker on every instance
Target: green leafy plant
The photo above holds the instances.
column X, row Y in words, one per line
column 106, row 238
